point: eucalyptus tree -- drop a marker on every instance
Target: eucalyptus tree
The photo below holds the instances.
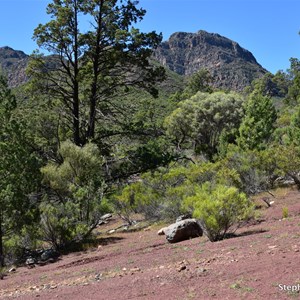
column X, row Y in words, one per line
column 98, row 55
column 202, row 120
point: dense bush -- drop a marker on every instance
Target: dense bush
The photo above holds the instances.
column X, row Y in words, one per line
column 160, row 194
column 73, row 204
column 220, row 209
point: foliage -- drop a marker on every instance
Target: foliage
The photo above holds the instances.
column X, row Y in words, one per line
column 271, row 85
column 89, row 69
column 200, row 82
column 160, row 194
column 19, row 172
column 294, row 88
column 200, row 121
column 219, row 208
column 258, row 122
column 73, row 205
column 285, row 212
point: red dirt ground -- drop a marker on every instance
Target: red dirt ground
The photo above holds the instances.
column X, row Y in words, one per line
column 143, row 265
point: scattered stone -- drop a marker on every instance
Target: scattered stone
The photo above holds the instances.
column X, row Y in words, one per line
column 106, row 217
column 135, row 270
column 49, row 254
column 102, row 222
column 181, row 268
column 183, row 230
column 202, row 270
column 30, row 262
column 183, row 217
column 161, row 231
column 13, row 269
column 99, row 247
column 124, row 269
column 111, row 231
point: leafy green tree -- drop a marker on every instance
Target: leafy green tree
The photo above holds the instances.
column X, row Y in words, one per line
column 258, row 124
column 19, row 172
column 90, row 68
column 199, row 121
column 294, row 88
column 200, row 82
column 73, row 207
column 271, row 85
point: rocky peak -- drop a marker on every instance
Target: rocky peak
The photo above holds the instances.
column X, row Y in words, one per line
column 13, row 64
column 9, row 53
column 232, row 66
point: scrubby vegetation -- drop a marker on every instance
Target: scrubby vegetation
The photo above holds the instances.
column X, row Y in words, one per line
column 89, row 133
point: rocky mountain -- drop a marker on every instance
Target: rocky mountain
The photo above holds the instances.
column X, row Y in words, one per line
column 231, row 66
column 13, row 64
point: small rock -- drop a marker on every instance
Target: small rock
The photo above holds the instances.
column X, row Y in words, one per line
column 183, row 217
column 148, row 228
column 106, row 216
column 30, row 261
column 13, row 269
column 272, row 247
column 98, row 277
column 201, row 270
column 181, row 268
column 51, row 260
column 101, row 222
column 124, row 269
column 135, row 270
column 99, row 248
column 112, row 231
column 48, row 254
column 161, row 231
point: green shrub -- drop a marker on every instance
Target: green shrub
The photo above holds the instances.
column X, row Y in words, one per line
column 285, row 212
column 60, row 225
column 220, row 209
column 159, row 195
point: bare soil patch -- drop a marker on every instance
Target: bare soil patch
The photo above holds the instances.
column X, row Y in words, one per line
column 143, row 265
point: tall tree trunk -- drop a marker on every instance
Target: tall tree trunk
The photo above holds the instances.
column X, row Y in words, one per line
column 75, row 112
column 76, row 120
column 96, row 60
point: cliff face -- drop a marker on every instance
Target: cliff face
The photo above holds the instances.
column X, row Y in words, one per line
column 231, row 66
column 13, row 64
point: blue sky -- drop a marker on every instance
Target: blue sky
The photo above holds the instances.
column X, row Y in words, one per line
column 267, row 28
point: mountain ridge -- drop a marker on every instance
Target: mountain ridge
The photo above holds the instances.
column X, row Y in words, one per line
column 231, row 66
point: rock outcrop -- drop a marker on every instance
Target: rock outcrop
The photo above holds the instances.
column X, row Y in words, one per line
column 13, row 65
column 231, row 66
column 182, row 230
